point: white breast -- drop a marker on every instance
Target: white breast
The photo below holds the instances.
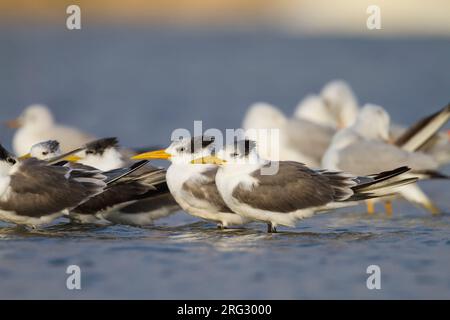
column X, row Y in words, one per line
column 177, row 175
column 4, row 184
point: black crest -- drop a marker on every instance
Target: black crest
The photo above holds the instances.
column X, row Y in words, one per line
column 244, row 147
column 52, row 145
column 4, row 154
column 200, row 142
column 99, row 146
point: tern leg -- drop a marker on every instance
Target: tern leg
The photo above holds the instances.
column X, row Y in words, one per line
column 271, row 228
column 370, row 207
column 388, row 208
column 220, row 226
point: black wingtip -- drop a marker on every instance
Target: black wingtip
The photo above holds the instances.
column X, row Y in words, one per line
column 131, row 169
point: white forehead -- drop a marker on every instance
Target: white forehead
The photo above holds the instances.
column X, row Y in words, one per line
column 39, row 148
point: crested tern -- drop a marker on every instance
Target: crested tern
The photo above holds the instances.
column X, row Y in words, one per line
column 33, row 193
column 295, row 191
column 193, row 185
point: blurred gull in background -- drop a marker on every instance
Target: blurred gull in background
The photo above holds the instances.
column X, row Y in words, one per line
column 37, row 124
column 306, row 136
column 365, row 148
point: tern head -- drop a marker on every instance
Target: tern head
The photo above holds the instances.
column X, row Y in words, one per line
column 335, row 107
column 182, row 151
column 34, row 117
column 241, row 152
column 373, row 123
column 102, row 154
column 43, row 150
column 7, row 160
column 262, row 115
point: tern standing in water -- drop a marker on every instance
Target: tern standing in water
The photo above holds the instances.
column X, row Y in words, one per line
column 33, row 193
column 193, row 185
column 295, row 191
column 139, row 198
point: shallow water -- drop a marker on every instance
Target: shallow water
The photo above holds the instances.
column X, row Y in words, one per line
column 324, row 257
column 167, row 79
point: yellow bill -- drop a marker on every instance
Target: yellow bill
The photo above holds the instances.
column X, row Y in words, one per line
column 158, row 154
column 25, row 156
column 72, row 158
column 208, row 160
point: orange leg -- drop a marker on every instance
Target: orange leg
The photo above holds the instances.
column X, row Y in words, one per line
column 388, row 208
column 370, row 207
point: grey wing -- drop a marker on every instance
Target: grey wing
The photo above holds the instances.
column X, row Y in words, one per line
column 145, row 183
column 162, row 200
column 207, row 190
column 120, row 193
column 295, row 187
column 146, row 175
column 371, row 157
column 38, row 189
column 304, row 134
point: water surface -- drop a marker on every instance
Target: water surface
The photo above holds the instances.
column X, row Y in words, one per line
column 141, row 83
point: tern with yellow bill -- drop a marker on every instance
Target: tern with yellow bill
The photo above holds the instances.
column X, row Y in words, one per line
column 137, row 199
column 193, row 185
column 33, row 192
column 294, row 191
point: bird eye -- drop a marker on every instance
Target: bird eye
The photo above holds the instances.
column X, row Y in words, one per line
column 182, row 149
column 89, row 152
column 44, row 153
column 235, row 154
column 10, row 160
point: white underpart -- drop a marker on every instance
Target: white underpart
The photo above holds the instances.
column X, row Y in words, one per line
column 38, row 125
column 137, row 219
column 110, row 159
column 229, row 177
column 10, row 216
column 95, row 219
column 234, row 172
column 177, row 175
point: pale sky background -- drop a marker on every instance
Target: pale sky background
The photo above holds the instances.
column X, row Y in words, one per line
column 404, row 17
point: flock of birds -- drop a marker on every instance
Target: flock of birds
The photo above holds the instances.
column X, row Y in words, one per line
column 331, row 154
